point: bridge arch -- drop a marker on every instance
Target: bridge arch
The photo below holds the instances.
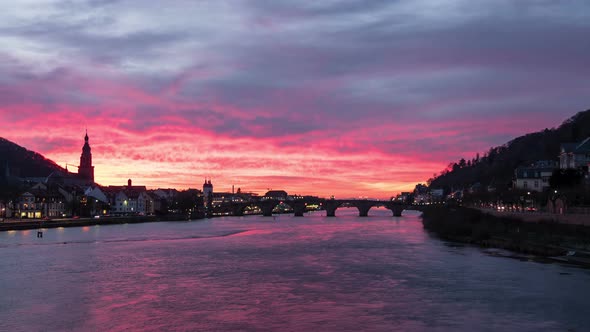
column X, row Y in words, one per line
column 299, row 206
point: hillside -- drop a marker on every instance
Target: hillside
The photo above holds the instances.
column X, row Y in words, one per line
column 496, row 166
column 24, row 163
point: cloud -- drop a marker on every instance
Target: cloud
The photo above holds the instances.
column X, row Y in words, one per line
column 341, row 93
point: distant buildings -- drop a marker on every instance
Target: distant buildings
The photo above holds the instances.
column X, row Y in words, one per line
column 534, row 177
column 130, row 199
column 421, row 194
column 575, row 155
column 220, row 198
column 279, row 195
column 208, row 192
column 39, row 202
column 162, row 199
column 404, row 197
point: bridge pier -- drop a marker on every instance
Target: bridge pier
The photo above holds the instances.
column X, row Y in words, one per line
column 395, row 208
column 238, row 211
column 267, row 211
column 330, row 212
column 299, row 207
column 364, row 207
column 331, row 206
column 397, row 212
column 363, row 211
column 267, row 207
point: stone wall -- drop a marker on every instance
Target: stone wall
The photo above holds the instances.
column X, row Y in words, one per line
column 569, row 218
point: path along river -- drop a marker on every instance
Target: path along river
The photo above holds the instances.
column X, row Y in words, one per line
column 279, row 274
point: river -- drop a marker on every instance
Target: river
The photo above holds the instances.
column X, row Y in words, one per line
column 253, row 273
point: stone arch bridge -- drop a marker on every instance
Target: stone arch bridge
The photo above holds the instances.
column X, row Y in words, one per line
column 299, row 206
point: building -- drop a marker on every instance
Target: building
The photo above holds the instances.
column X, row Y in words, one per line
column 207, row 192
column 575, row 155
column 436, row 195
column 163, row 199
column 279, row 195
column 421, row 194
column 534, row 177
column 129, row 199
column 403, row 197
column 86, row 170
column 40, row 202
column 95, row 202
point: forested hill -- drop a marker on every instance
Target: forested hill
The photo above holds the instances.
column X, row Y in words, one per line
column 496, row 167
column 24, row 163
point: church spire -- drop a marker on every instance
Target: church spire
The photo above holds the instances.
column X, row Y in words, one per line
column 86, row 170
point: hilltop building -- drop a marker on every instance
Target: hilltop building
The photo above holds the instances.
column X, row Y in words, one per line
column 534, row 177
column 575, row 155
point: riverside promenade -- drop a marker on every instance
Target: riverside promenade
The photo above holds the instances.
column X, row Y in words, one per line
column 536, row 217
column 16, row 224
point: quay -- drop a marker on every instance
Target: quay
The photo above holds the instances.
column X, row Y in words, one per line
column 541, row 217
column 8, row 225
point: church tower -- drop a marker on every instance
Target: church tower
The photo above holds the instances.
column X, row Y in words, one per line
column 86, row 170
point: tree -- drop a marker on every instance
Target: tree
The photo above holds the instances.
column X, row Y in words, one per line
column 186, row 201
column 462, row 163
column 565, row 178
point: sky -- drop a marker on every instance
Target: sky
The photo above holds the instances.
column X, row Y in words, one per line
column 336, row 97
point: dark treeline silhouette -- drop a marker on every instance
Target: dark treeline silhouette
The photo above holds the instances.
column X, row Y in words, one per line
column 24, row 163
column 496, row 166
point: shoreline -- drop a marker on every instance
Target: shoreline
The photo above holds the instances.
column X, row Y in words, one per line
column 541, row 238
column 81, row 222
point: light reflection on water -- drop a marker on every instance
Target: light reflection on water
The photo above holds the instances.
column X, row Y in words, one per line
column 263, row 274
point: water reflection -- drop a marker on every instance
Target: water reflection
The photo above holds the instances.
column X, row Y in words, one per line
column 262, row 274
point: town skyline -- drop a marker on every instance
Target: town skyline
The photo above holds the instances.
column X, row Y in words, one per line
column 336, row 98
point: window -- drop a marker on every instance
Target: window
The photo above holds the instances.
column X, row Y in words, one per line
column 525, row 184
column 536, row 184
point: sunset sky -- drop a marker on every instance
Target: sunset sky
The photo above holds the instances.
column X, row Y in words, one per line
column 350, row 98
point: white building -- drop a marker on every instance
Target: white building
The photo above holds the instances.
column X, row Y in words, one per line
column 575, row 155
column 38, row 203
column 130, row 199
column 535, row 177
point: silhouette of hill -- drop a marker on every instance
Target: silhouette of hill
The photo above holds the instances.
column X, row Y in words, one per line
column 24, row 163
column 496, row 166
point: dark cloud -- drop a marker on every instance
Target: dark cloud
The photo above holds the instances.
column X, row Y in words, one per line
column 288, row 70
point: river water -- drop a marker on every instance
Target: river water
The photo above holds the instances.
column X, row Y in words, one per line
column 278, row 274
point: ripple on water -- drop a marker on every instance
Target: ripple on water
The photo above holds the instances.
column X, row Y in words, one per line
column 299, row 274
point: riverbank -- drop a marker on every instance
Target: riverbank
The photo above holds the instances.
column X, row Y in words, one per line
column 9, row 225
column 542, row 238
column 536, row 217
